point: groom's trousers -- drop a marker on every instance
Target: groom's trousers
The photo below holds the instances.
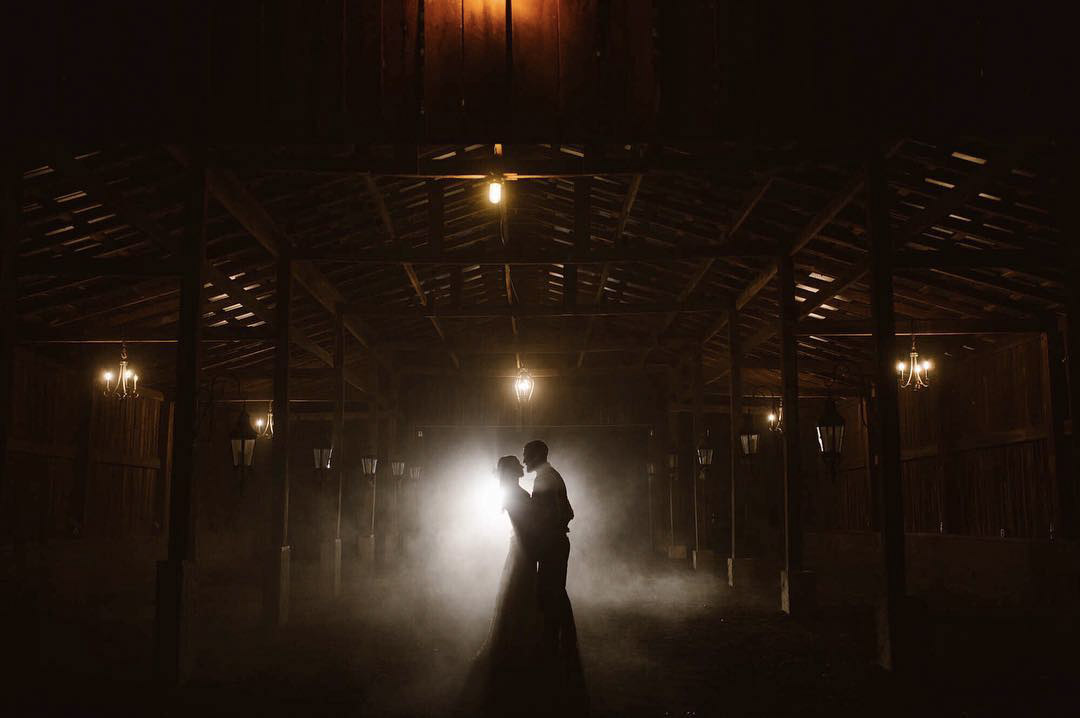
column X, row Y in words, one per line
column 551, row 586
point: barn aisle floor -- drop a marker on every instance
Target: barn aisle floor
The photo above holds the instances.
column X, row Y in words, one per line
column 674, row 645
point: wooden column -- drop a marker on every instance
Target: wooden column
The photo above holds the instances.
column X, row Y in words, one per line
column 176, row 575
column 887, row 410
column 702, row 558
column 1055, row 402
column 736, row 390
column 276, row 590
column 1069, row 219
column 9, row 243
column 367, row 522
column 796, row 584
column 332, row 560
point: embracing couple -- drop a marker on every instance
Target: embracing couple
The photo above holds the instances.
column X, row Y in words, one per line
column 529, row 664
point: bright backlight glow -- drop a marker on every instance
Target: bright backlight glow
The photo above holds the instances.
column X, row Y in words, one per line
column 495, row 192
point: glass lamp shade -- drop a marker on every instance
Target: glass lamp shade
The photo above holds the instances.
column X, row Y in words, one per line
column 650, row 469
column 705, row 455
column 368, row 464
column 323, row 458
column 415, row 472
column 830, row 432
column 673, row 459
column 242, row 440
column 524, row 386
column 397, row 468
column 749, row 436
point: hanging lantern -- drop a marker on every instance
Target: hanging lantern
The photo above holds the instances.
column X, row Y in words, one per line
column 397, row 468
column 242, row 438
column 775, row 418
column 415, row 471
column 705, row 452
column 748, row 435
column 264, row 425
column 122, row 383
column 368, row 464
column 915, row 372
column 323, row 458
column 830, row 432
column 524, row 386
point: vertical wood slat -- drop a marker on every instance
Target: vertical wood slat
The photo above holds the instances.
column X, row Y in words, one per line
column 400, row 69
column 627, row 69
column 793, row 478
column 443, row 66
column 485, row 78
column 535, row 68
column 578, row 68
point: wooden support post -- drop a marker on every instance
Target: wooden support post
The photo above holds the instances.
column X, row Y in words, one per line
column 276, row 590
column 20, row 605
column 366, row 541
column 176, row 575
column 1055, row 402
column 703, row 558
column 797, row 594
column 331, row 558
column 893, row 610
column 735, row 360
column 1070, row 222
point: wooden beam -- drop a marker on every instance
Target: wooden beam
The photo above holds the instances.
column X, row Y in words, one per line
column 90, row 267
column 157, row 335
column 338, row 450
column 618, row 243
column 434, row 217
column 1019, row 259
column 403, row 164
column 913, row 227
column 887, row 414
column 251, row 215
column 921, row 327
column 522, row 311
column 530, row 256
column 699, row 275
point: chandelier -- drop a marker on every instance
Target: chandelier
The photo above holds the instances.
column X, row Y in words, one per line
column 524, row 386
column 914, row 373
column 123, row 383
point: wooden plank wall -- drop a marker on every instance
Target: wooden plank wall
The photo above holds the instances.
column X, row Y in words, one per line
column 83, row 465
column 124, row 463
column 974, row 452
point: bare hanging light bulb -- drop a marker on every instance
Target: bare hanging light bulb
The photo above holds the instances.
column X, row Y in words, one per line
column 495, row 191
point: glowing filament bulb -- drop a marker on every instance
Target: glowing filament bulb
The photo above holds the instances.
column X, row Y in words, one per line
column 772, row 418
column 107, row 376
column 926, row 365
column 495, row 192
column 900, row 367
column 259, row 423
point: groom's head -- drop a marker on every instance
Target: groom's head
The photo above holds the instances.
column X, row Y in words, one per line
column 534, row 454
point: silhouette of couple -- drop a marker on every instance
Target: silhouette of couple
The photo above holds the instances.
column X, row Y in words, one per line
column 529, row 665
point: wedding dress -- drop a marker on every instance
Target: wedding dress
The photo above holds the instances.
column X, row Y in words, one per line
column 516, row 673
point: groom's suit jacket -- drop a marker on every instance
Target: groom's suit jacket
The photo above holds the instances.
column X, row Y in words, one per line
column 550, row 507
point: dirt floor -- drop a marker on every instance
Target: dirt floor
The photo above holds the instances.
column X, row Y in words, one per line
column 676, row 645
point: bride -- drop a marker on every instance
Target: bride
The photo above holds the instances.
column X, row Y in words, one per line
column 516, row 673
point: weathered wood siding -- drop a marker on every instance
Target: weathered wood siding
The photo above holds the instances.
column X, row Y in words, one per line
column 974, row 453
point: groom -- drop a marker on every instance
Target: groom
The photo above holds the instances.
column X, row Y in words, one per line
column 551, row 514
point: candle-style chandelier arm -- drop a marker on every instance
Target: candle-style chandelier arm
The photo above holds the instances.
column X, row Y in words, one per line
column 123, row 383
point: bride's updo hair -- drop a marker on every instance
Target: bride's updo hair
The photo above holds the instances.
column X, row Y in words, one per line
column 509, row 466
